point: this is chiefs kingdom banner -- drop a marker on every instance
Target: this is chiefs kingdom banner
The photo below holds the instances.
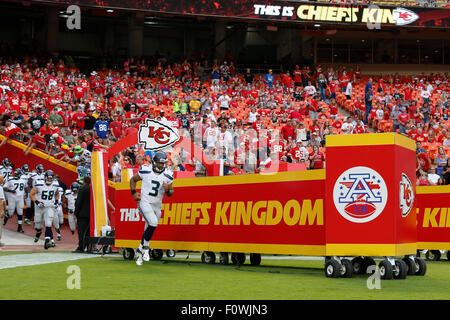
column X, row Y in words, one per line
column 280, row 213
column 286, row 11
column 433, row 217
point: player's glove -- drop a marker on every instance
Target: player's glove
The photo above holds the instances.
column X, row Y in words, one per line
column 56, row 204
column 39, row 204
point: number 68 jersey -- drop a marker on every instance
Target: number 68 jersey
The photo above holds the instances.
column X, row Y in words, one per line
column 152, row 190
column 47, row 193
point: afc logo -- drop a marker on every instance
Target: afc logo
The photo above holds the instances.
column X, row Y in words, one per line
column 360, row 194
column 154, row 135
column 406, row 195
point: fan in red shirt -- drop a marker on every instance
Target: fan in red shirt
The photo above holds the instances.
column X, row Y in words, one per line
column 9, row 130
column 408, row 92
column 116, row 127
column 337, row 124
column 78, row 118
column 79, row 92
column 297, row 76
column 14, row 102
column 288, row 130
column 316, row 158
column 413, row 132
column 359, row 128
column 343, row 79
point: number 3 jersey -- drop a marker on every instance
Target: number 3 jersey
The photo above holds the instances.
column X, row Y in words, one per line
column 47, row 193
column 152, row 190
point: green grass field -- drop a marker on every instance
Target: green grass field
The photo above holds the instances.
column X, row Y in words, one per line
column 113, row 278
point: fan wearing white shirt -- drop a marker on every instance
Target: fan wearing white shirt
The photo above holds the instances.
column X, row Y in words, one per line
column 348, row 90
column 310, row 89
column 224, row 101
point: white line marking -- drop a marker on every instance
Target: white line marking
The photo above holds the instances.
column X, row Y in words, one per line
column 32, row 259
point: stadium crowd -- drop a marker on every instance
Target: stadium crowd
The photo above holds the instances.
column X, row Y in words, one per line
column 250, row 121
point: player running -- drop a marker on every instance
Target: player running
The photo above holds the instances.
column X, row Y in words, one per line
column 15, row 194
column 29, row 210
column 45, row 195
column 157, row 180
column 6, row 169
column 69, row 198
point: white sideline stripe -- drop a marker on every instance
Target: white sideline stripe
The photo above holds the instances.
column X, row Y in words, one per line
column 13, row 238
column 33, row 259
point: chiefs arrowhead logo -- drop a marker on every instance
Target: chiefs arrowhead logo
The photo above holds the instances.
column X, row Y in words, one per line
column 154, row 135
column 406, row 195
column 404, row 16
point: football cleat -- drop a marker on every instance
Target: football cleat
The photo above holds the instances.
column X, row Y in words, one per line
column 58, row 237
column 27, row 222
column 145, row 254
column 47, row 244
column 36, row 239
column 19, row 228
column 53, row 243
column 139, row 260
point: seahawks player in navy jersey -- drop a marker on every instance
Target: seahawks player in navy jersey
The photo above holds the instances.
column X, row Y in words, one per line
column 157, row 181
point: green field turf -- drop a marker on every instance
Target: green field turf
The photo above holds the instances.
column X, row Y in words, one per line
column 111, row 277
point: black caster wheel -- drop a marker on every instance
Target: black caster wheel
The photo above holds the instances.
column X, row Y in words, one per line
column 433, row 255
column 359, row 265
column 386, row 270
column 170, row 253
column 255, row 259
column 421, row 266
column 157, row 254
column 224, row 258
column 106, row 249
column 411, row 266
column 238, row 258
column 346, row 268
column 332, row 268
column 400, row 269
column 128, row 254
column 208, row 257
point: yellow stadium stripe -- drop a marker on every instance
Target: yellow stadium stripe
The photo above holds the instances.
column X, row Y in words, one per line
column 41, row 154
column 432, row 189
column 310, row 250
column 305, row 175
column 370, row 249
column 99, row 192
column 370, row 139
column 433, row 245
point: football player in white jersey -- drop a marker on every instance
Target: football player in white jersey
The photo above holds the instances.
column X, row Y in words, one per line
column 69, row 198
column 156, row 181
column 14, row 189
column 58, row 219
column 6, row 169
column 45, row 195
column 37, row 175
column 29, row 210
